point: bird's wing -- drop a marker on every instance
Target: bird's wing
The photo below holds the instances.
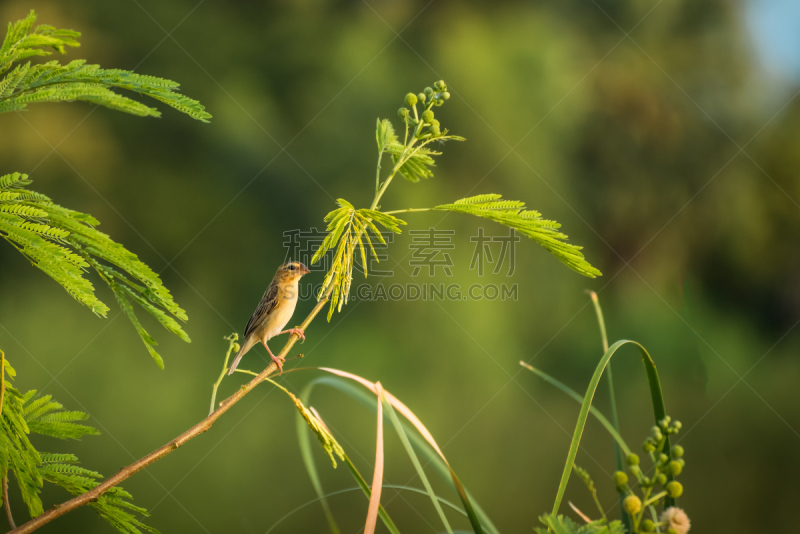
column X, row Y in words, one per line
column 267, row 304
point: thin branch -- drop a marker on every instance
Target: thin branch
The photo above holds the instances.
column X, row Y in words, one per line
column 126, row 472
column 6, row 504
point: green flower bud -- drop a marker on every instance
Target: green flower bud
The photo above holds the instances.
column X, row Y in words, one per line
column 648, row 526
column 435, row 131
column 663, row 458
column 672, row 531
column 632, row 504
column 656, row 432
column 446, row 95
column 674, row 468
column 636, row 471
column 411, row 99
column 439, row 85
column 422, row 97
column 439, row 102
column 649, row 446
column 402, row 113
column 620, row 478
column 681, row 461
column 677, row 451
column 677, row 425
column 674, row 489
column 662, row 479
column 428, row 92
column 427, row 116
column 236, row 347
column 664, row 423
column 633, row 459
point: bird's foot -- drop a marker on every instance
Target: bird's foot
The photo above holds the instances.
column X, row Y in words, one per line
column 299, row 332
column 279, row 361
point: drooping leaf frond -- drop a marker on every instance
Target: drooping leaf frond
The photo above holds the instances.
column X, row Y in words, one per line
column 512, row 213
column 348, row 228
column 65, row 243
column 52, row 82
column 114, row 506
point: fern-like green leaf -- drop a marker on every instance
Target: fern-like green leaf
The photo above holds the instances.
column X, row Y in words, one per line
column 559, row 524
column 64, row 243
column 53, row 82
column 385, row 135
column 512, row 213
column 415, row 165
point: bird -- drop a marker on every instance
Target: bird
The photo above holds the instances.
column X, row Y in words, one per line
column 274, row 312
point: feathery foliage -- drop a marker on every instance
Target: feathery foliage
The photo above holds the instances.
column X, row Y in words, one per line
column 65, row 243
column 52, row 82
column 413, row 159
column 348, row 227
column 26, row 414
column 512, row 213
column 61, row 242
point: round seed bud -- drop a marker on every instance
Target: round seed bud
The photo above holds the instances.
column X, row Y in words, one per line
column 402, row 113
column 632, row 504
column 633, row 459
column 428, row 92
column 446, row 95
column 674, row 489
column 656, row 432
column 411, row 99
column 649, row 446
column 662, row 479
column 677, row 425
column 664, row 423
column 677, row 451
column 422, row 97
column 663, row 458
column 674, row 468
column 438, row 85
column 635, row 471
column 236, row 347
column 435, row 131
column 648, row 526
column 620, row 478
column 427, row 116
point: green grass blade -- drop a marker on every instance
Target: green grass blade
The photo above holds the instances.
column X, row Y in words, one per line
column 413, row 456
column 594, row 411
column 655, row 394
column 479, row 516
column 304, row 443
column 387, row 521
column 601, row 323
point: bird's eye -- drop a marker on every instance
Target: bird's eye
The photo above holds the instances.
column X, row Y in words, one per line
column 291, row 267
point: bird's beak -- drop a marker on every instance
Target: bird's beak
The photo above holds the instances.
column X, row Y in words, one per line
column 304, row 269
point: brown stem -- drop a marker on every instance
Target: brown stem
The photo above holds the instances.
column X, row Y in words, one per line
column 92, row 495
column 6, row 505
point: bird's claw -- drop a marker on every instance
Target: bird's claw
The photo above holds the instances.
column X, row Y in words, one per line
column 279, row 361
column 300, row 333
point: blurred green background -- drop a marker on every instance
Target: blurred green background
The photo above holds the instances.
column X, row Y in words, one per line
column 661, row 134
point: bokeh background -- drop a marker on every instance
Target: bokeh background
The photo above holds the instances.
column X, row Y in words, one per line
column 662, row 134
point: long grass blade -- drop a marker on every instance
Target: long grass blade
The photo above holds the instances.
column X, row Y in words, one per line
column 419, row 442
column 413, row 456
column 655, row 394
column 304, row 443
column 377, row 475
column 594, row 411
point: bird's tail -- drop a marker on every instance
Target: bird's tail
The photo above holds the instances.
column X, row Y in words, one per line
column 246, row 346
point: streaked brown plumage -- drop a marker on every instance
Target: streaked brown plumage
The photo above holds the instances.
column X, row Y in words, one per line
column 274, row 312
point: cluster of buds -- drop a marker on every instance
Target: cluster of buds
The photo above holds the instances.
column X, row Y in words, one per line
column 424, row 124
column 667, row 464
